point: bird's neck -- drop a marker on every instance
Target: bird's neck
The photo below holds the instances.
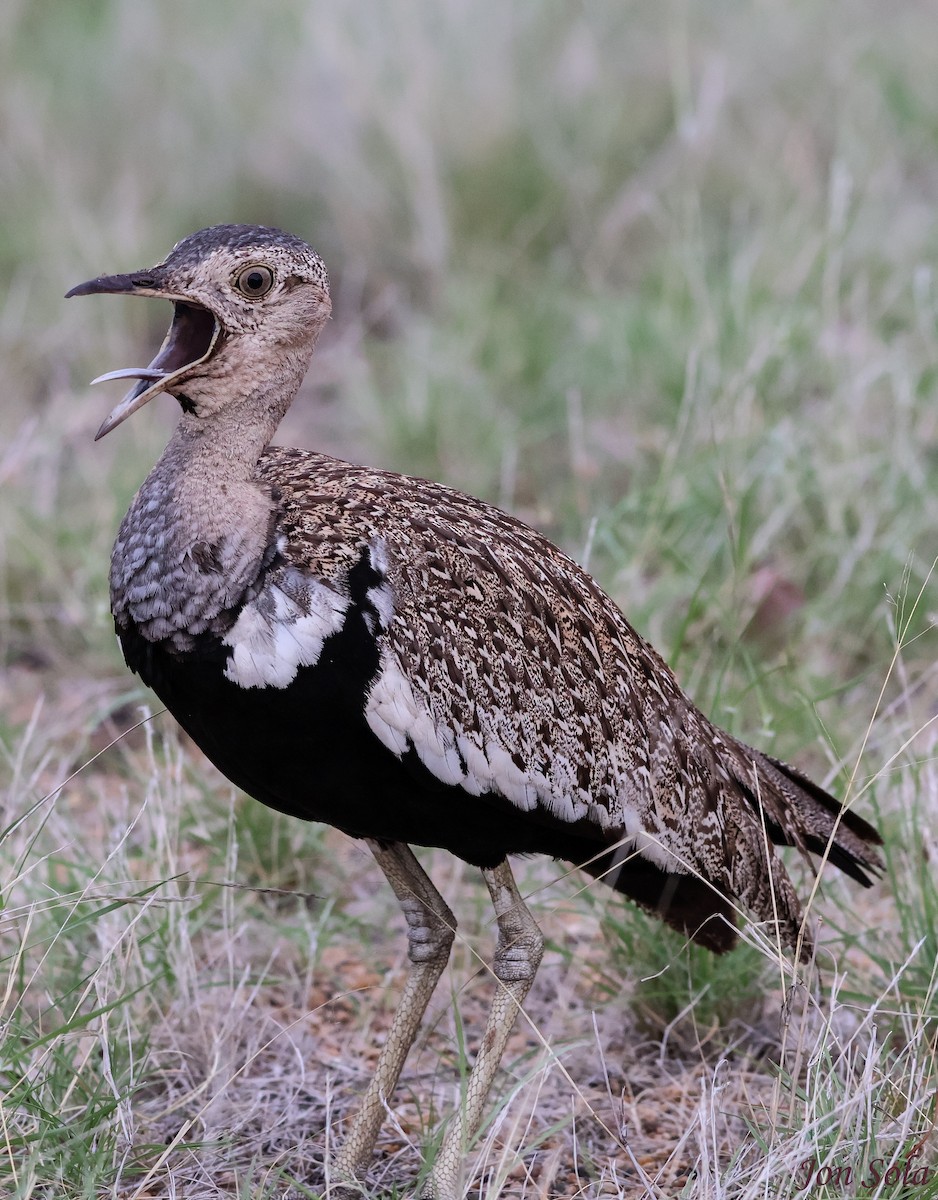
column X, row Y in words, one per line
column 223, row 437
column 202, row 526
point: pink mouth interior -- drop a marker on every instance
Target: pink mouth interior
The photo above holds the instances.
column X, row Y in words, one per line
column 189, row 340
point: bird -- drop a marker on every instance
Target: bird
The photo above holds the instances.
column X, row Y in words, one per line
column 416, row 667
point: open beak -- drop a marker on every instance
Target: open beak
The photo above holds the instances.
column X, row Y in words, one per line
column 193, row 337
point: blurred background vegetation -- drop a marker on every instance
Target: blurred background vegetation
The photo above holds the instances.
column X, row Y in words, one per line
column 658, row 277
column 667, row 268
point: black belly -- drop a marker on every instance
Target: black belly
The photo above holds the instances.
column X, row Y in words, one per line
column 306, row 750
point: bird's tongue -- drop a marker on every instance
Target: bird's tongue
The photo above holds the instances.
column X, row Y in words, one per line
column 189, row 339
column 193, row 335
column 145, row 374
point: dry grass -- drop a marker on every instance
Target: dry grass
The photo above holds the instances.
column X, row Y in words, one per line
column 658, row 278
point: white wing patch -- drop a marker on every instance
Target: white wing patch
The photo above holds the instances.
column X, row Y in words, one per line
column 396, row 718
column 282, row 630
column 382, row 597
column 476, row 760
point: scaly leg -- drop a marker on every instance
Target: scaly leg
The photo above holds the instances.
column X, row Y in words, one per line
column 517, row 957
column 431, row 928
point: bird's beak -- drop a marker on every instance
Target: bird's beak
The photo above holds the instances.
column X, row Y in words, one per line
column 193, row 337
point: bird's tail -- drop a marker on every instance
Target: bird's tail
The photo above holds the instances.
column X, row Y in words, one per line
column 687, row 903
column 764, row 800
column 798, row 812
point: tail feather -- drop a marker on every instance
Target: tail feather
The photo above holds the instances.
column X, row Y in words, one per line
column 685, row 902
column 798, row 812
column 793, row 811
column 759, row 797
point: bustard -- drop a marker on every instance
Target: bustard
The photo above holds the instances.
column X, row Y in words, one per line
column 411, row 665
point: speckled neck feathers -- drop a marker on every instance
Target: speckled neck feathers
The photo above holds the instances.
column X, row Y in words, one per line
column 202, row 528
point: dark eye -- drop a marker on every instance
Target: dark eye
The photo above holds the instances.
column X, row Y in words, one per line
column 254, row 282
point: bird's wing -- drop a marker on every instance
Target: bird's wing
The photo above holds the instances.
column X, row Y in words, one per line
column 506, row 669
column 502, row 662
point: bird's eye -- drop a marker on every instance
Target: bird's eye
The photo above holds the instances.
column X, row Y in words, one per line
column 254, row 282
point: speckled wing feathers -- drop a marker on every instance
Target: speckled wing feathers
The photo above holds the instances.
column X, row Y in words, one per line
column 506, row 668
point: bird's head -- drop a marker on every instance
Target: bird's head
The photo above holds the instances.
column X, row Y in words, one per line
column 249, row 303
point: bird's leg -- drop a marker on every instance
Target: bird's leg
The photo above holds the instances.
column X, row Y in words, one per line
column 431, row 928
column 517, row 957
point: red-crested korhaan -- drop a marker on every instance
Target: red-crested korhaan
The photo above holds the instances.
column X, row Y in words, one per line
column 413, row 666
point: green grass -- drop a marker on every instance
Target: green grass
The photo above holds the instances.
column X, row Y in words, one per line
column 661, row 280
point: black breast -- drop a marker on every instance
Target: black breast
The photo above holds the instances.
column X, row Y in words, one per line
column 306, row 750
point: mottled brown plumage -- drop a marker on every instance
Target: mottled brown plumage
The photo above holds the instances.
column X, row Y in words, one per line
column 514, row 644
column 412, row 665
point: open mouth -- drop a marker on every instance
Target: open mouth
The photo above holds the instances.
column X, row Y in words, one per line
column 193, row 337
